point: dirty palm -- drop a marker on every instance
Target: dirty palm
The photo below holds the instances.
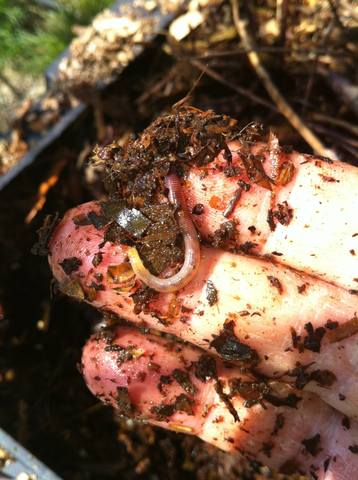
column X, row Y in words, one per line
column 266, row 303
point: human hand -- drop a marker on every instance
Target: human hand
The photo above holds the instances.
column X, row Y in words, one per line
column 275, row 324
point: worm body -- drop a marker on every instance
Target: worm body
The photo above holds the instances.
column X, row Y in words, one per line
column 191, row 246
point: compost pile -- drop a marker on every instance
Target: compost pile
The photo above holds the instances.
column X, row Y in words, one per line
column 308, row 49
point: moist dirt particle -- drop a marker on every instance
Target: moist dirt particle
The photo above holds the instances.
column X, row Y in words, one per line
column 211, row 293
column 205, row 368
column 70, row 265
column 184, row 381
column 312, row 445
column 124, row 404
column 230, row 348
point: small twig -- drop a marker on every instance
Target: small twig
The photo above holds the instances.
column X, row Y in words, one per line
column 233, row 202
column 352, row 151
column 338, row 136
column 242, row 91
column 273, row 91
column 157, row 87
column 44, row 188
column 344, row 143
column 338, row 122
column 335, row 14
column 187, row 97
column 275, row 49
column 281, row 17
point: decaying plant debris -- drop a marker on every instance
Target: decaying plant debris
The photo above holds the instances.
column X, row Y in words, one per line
column 308, row 48
column 186, row 137
column 303, row 45
column 33, row 120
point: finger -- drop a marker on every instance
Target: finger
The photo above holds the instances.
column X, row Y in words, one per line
column 309, row 224
column 180, row 388
column 270, row 318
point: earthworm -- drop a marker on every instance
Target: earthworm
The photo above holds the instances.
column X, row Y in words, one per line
column 191, row 246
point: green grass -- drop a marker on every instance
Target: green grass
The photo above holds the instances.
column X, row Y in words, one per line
column 33, row 33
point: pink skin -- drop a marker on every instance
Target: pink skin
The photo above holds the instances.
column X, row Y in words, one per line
column 261, row 315
column 322, row 237
column 210, row 418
